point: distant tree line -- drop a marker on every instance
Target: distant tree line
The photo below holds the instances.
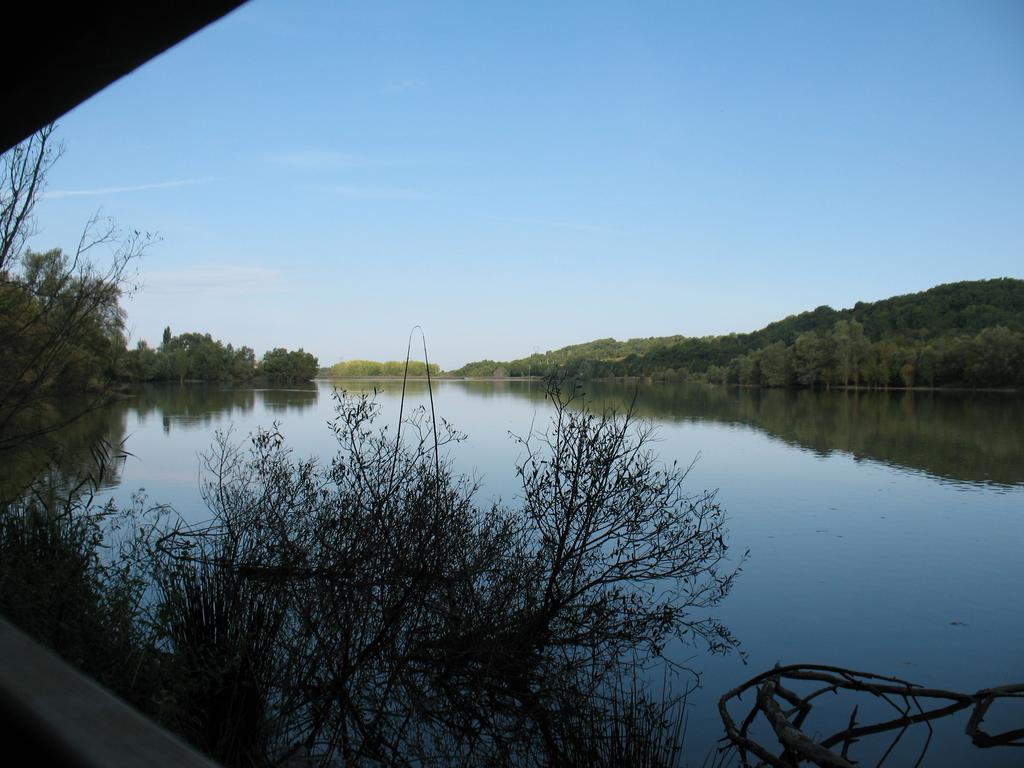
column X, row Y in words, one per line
column 360, row 368
column 961, row 334
column 200, row 357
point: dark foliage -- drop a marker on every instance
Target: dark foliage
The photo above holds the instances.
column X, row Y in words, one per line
column 369, row 611
column 70, row 577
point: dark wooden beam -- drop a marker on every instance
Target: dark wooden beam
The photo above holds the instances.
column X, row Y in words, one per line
column 55, row 715
column 55, row 57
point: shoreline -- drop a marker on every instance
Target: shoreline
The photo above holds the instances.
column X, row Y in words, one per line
column 654, row 380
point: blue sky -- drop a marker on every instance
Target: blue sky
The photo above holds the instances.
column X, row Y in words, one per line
column 528, row 175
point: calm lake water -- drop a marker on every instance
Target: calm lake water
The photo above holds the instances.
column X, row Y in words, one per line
column 885, row 529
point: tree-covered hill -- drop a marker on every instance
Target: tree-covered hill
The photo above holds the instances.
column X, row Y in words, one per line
column 964, row 307
column 966, row 333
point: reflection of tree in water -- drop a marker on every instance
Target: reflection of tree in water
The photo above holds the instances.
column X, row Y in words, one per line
column 66, row 456
column 297, row 398
column 961, row 436
column 195, row 405
column 63, row 458
column 190, row 404
column 417, row 388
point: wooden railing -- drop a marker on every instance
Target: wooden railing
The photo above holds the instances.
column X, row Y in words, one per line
column 55, row 715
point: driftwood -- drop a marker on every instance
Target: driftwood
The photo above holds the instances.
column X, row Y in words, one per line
column 786, row 711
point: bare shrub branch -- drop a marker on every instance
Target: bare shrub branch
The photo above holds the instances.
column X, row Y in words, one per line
column 380, row 615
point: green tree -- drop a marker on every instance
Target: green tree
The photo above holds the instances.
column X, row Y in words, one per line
column 907, row 374
column 851, row 349
column 808, row 359
column 196, row 356
column 749, row 368
column 886, row 351
column 143, row 363
column 997, row 357
column 281, row 365
column 927, row 364
column 61, row 326
column 775, row 365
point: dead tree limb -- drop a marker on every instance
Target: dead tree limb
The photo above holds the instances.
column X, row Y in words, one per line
column 786, row 711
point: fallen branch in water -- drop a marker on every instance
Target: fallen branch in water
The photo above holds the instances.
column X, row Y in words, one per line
column 786, row 711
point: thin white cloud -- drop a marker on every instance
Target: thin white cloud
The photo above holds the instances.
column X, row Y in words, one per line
column 578, row 226
column 330, row 160
column 375, row 193
column 59, row 193
column 316, row 160
column 584, row 227
column 410, row 84
column 215, row 279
